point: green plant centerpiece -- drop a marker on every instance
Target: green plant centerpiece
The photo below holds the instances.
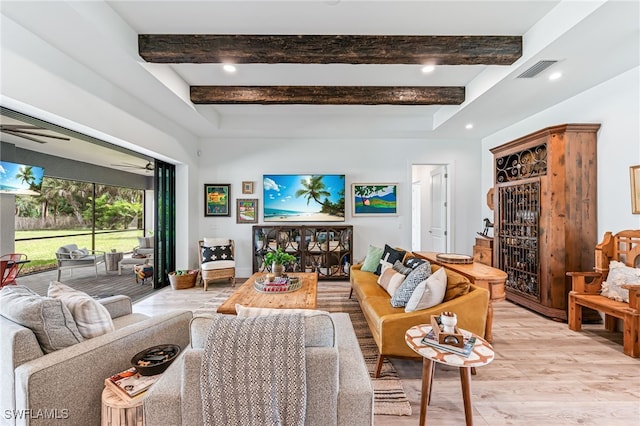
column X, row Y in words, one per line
column 278, row 259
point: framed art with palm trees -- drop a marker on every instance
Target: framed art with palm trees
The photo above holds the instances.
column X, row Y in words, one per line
column 303, row 198
column 374, row 199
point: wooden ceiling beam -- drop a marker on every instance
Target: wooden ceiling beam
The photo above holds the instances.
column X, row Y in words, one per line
column 330, row 49
column 327, row 95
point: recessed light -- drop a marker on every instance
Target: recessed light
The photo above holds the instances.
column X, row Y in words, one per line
column 556, row 75
column 229, row 68
column 428, row 68
column 469, row 126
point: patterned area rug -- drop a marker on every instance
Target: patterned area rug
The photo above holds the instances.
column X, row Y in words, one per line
column 390, row 398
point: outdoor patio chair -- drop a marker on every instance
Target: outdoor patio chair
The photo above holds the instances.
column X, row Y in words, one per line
column 70, row 257
column 10, row 266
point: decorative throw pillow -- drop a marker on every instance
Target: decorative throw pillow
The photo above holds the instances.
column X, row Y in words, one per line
column 390, row 279
column 78, row 254
column 429, row 292
column 398, row 266
column 389, row 255
column 457, row 286
column 145, row 242
column 413, row 262
column 404, row 292
column 48, row 318
column 619, row 274
column 372, row 260
column 91, row 317
column 211, row 254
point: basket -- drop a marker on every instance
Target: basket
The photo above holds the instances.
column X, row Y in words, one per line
column 180, row 282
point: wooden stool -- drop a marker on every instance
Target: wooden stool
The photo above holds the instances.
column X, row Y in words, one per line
column 118, row 412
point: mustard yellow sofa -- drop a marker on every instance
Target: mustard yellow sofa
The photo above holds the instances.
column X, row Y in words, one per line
column 388, row 324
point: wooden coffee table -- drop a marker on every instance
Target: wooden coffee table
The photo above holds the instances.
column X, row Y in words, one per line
column 306, row 297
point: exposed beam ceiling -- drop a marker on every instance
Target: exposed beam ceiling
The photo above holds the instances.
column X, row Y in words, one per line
column 327, row 95
column 330, row 49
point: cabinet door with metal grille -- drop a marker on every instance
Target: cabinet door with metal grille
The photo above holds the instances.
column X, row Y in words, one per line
column 518, row 236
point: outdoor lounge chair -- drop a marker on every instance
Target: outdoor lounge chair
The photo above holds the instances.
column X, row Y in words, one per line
column 70, row 257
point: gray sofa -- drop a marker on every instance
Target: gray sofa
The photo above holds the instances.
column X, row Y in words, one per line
column 71, row 257
column 65, row 387
column 339, row 390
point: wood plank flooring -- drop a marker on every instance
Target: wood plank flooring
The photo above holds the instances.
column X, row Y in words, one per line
column 543, row 374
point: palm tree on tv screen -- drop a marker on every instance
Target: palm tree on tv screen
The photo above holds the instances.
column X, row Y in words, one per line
column 315, row 189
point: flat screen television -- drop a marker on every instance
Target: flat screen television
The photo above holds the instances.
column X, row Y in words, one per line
column 20, row 179
column 303, row 198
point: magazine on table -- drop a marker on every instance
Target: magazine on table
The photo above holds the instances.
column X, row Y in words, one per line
column 469, row 341
column 129, row 384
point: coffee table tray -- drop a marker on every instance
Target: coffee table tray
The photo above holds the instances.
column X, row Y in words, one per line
column 285, row 286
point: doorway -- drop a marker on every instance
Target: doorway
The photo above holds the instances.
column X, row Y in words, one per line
column 430, row 208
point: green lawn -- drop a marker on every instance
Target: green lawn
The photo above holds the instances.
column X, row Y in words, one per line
column 41, row 252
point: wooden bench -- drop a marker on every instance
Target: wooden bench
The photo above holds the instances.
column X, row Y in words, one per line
column 586, row 286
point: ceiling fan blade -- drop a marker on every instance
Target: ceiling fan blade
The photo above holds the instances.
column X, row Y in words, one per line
column 44, row 135
column 21, row 135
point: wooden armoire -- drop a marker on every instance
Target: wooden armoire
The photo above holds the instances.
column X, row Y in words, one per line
column 545, row 220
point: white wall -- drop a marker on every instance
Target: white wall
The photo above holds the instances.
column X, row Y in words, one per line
column 614, row 104
column 367, row 161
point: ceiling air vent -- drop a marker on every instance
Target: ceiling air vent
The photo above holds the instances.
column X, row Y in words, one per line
column 536, row 69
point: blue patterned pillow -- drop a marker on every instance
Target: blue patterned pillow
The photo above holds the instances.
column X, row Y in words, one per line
column 404, row 292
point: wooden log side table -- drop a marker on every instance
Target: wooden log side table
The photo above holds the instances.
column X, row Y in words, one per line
column 482, row 354
column 112, row 259
column 118, row 412
column 481, row 275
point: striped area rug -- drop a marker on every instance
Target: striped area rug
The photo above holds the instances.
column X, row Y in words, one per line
column 390, row 398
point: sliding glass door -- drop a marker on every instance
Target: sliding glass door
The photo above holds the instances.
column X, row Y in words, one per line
column 165, row 219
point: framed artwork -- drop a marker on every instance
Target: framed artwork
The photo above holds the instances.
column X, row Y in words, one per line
column 247, row 210
column 216, row 199
column 635, row 189
column 374, row 199
column 247, row 187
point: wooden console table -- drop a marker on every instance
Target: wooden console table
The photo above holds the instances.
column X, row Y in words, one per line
column 481, row 275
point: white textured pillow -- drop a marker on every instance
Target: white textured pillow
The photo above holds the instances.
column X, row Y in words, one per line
column 48, row 318
column 91, row 317
column 390, row 279
column 212, row 242
column 619, row 274
column 429, row 292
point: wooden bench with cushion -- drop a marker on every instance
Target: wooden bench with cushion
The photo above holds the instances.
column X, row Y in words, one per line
column 587, row 287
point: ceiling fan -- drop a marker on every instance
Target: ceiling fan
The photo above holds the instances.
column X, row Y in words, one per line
column 148, row 167
column 28, row 132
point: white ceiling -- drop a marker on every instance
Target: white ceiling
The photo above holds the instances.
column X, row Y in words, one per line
column 592, row 41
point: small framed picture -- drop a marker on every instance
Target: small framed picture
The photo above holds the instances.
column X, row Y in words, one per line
column 374, row 199
column 216, row 199
column 247, row 187
column 247, row 210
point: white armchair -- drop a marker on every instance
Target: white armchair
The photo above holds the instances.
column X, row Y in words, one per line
column 216, row 260
column 70, row 257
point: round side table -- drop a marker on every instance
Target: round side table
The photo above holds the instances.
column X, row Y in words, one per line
column 482, row 354
column 118, row 412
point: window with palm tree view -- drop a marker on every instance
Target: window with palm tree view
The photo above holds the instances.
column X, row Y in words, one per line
column 93, row 216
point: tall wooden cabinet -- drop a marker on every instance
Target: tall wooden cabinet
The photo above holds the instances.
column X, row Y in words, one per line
column 325, row 249
column 545, row 214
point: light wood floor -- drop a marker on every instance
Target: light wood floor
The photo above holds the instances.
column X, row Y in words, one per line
column 543, row 374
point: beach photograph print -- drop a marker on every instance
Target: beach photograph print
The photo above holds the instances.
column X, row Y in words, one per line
column 303, row 198
column 377, row 199
column 216, row 199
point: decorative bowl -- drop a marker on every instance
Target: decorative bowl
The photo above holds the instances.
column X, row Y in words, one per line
column 155, row 360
